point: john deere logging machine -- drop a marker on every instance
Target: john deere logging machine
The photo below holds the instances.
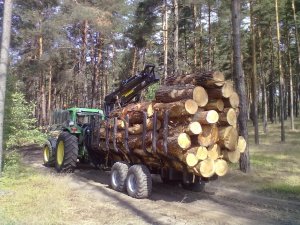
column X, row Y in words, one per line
column 76, row 138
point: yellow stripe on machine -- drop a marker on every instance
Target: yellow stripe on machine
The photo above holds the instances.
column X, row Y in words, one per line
column 128, row 93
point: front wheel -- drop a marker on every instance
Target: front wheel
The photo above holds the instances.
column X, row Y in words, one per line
column 139, row 182
column 66, row 152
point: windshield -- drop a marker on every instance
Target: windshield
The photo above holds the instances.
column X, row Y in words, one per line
column 86, row 118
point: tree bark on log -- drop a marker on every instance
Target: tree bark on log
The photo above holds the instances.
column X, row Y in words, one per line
column 134, row 107
column 138, row 128
column 228, row 137
column 223, row 92
column 210, row 79
column 228, row 117
column 184, row 79
column 136, row 140
column 206, row 117
column 176, row 109
column 233, row 101
column 209, row 135
column 215, row 104
column 174, row 93
column 207, row 79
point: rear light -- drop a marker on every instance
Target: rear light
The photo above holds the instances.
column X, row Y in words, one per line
column 73, row 129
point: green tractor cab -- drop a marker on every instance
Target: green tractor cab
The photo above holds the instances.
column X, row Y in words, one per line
column 69, row 133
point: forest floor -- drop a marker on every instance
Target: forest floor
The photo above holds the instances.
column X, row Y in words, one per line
column 269, row 194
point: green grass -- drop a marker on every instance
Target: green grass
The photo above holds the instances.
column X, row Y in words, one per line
column 275, row 166
column 29, row 197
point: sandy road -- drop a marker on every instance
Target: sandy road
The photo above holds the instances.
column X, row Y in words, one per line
column 171, row 204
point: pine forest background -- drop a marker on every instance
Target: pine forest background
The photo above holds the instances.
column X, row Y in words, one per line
column 72, row 53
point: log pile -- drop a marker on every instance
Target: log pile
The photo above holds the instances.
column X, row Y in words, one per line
column 200, row 133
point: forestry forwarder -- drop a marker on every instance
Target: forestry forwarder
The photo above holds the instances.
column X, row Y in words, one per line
column 82, row 142
column 74, row 126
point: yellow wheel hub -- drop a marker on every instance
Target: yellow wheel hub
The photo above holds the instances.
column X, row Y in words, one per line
column 60, row 153
column 46, row 154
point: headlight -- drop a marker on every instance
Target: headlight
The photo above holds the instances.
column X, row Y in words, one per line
column 71, row 123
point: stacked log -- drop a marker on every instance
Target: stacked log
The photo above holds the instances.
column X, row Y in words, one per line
column 200, row 133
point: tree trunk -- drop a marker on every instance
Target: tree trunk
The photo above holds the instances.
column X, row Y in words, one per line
column 209, row 37
column 263, row 81
column 272, row 108
column 165, row 38
column 84, row 90
column 298, row 58
column 195, row 35
column 240, row 81
column 49, row 95
column 134, row 61
column 176, row 38
column 291, row 89
column 6, row 27
column 254, row 78
column 281, row 80
column 200, row 38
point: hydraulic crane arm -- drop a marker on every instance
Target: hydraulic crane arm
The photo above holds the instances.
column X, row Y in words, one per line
column 130, row 89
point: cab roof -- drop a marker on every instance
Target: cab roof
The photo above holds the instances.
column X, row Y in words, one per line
column 85, row 110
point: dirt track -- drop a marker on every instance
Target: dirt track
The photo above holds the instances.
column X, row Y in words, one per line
column 171, row 204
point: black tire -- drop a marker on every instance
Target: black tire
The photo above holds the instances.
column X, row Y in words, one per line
column 195, row 187
column 118, row 176
column 66, row 153
column 139, row 182
column 49, row 152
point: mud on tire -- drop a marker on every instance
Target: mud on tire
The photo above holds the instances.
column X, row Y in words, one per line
column 118, row 176
column 139, row 182
column 66, row 153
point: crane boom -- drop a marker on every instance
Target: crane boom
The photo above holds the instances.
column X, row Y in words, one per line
column 130, row 89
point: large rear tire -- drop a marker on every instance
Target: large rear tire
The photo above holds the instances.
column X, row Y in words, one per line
column 49, row 152
column 66, row 153
column 118, row 176
column 139, row 182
